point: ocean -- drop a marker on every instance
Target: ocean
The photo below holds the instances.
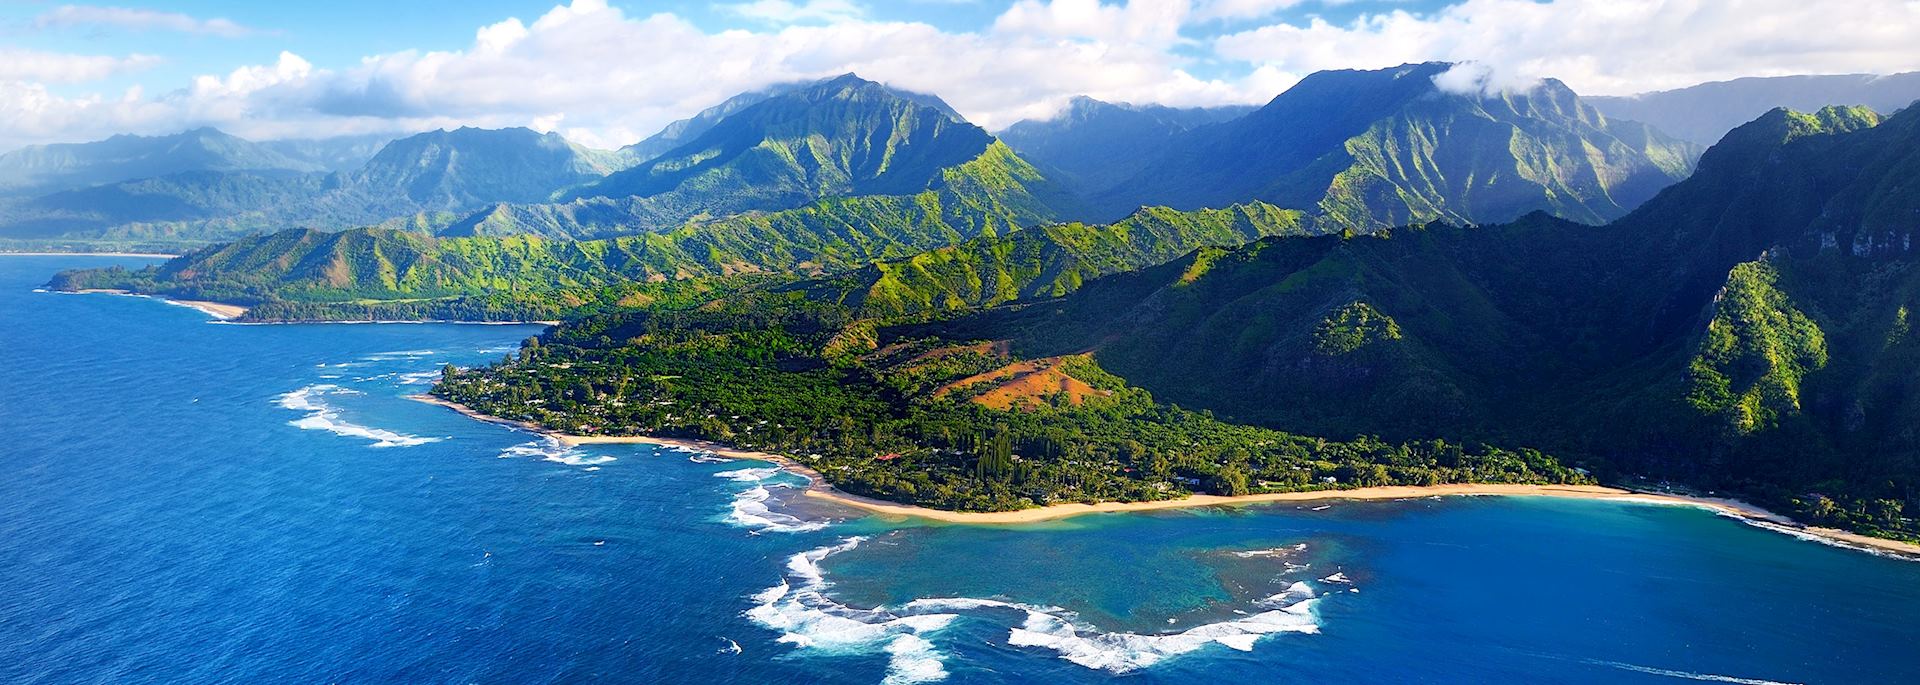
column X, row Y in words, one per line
column 184, row 501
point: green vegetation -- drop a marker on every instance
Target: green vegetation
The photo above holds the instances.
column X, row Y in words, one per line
column 1045, row 261
column 844, row 136
column 765, row 372
column 1372, row 150
column 1654, row 346
column 392, row 274
column 1092, row 145
column 1756, row 352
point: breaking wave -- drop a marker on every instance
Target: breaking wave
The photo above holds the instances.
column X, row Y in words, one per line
column 750, row 508
column 398, row 354
column 801, row 611
column 555, row 451
column 325, row 417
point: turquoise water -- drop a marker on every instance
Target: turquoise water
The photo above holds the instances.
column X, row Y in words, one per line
column 183, row 501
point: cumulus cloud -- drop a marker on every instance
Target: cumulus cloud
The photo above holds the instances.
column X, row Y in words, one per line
column 605, row 77
column 1603, row 47
column 137, row 19
column 55, row 67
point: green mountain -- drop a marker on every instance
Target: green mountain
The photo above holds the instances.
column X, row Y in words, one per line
column 841, row 137
column 184, row 206
column 388, row 273
column 460, row 169
column 1093, row 145
column 1747, row 329
column 339, row 153
column 1370, row 150
column 1704, row 113
column 682, row 131
column 1046, row 261
column 42, row 169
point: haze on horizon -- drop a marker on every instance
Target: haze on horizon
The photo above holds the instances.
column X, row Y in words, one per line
column 606, row 74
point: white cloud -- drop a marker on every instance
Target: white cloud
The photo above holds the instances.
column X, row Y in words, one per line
column 1607, row 46
column 55, row 67
column 1476, row 78
column 785, row 12
column 137, row 19
column 606, row 78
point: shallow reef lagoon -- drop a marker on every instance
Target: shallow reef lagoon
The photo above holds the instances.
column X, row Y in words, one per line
column 190, row 502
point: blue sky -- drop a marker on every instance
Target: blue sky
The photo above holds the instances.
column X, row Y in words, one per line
column 340, row 33
column 607, row 73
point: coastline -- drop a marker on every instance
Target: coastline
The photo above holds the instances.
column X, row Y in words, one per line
column 89, row 254
column 218, row 310
column 820, row 489
column 227, row 312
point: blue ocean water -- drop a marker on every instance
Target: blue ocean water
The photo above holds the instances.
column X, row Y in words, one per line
column 184, row 501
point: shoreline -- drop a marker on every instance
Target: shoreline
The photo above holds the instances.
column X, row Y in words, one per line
column 820, row 489
column 217, row 310
column 89, row 254
column 227, row 312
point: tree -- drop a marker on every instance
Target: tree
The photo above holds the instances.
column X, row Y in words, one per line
column 996, row 458
column 1229, row 481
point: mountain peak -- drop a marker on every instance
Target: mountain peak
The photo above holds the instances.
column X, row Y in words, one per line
column 1341, row 141
column 843, row 135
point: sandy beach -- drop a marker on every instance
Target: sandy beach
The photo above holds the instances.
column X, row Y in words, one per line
column 820, row 489
column 88, row 254
column 218, row 310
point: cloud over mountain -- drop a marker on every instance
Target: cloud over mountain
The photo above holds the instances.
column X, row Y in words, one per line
column 606, row 76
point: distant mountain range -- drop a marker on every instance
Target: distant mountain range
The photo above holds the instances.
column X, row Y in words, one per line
column 423, row 180
column 1368, row 150
column 1704, row 113
column 1092, row 145
column 42, row 169
column 1354, row 150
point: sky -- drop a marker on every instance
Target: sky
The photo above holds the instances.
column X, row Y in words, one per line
column 607, row 73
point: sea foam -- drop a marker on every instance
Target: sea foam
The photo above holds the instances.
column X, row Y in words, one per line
column 555, row 451
column 749, row 507
column 800, row 609
column 325, row 417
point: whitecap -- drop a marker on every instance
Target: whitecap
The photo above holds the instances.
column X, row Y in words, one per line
column 1337, row 577
column 398, row 354
column 1125, row 652
column 749, row 475
column 553, row 450
column 326, row 417
column 418, row 377
column 750, row 510
column 800, row 609
column 1288, row 550
column 805, row 617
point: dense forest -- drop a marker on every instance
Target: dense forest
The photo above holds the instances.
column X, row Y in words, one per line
column 955, row 425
